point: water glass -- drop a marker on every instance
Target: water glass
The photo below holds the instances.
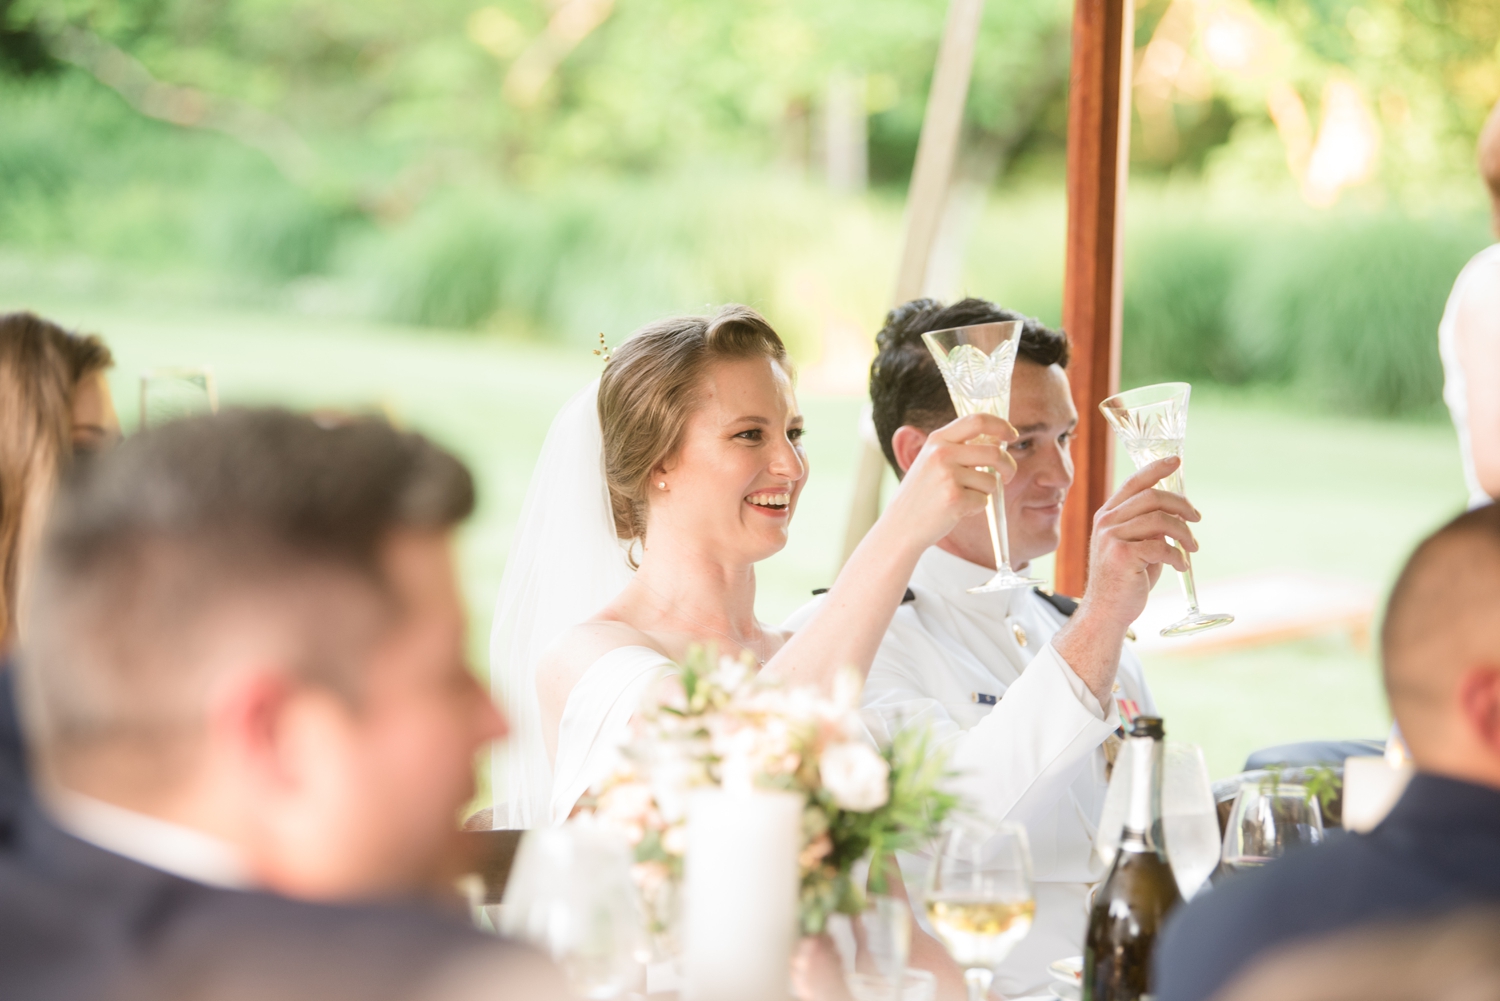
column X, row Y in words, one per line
column 1189, row 816
column 570, row 894
column 916, row 985
column 882, row 939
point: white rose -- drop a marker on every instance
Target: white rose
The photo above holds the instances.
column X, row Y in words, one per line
column 855, row 775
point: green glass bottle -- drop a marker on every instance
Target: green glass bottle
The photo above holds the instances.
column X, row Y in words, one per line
column 1132, row 904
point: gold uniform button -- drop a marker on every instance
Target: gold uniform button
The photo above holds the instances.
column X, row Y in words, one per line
column 1015, row 627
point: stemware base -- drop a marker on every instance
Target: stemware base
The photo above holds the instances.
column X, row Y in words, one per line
column 1006, row 580
column 1197, row 622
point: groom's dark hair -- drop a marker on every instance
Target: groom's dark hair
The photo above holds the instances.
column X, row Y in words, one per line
column 905, row 384
column 261, row 512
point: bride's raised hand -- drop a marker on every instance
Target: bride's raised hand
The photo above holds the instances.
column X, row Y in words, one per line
column 950, row 478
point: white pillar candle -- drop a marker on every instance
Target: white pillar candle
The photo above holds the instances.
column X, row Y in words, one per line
column 740, row 895
column 1371, row 787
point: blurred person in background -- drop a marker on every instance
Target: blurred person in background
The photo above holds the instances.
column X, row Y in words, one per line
column 54, row 403
column 244, row 680
column 1469, row 342
column 1026, row 690
column 1437, row 850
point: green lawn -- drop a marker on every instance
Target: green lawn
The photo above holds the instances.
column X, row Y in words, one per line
column 1279, row 486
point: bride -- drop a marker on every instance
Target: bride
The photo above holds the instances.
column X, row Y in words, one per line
column 659, row 488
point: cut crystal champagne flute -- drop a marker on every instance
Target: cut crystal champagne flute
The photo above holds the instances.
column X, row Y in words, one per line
column 980, row 899
column 170, row 393
column 1151, row 423
column 976, row 362
column 1268, row 818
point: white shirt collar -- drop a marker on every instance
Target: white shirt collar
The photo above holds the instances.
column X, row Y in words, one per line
column 148, row 840
column 951, row 577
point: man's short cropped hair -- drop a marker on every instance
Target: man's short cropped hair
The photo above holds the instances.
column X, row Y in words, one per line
column 905, row 384
column 1443, row 616
column 263, row 514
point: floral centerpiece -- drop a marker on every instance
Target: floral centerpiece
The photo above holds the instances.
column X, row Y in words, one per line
column 724, row 720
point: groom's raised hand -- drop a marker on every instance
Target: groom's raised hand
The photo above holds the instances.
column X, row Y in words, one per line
column 1129, row 544
column 1128, row 549
column 950, row 478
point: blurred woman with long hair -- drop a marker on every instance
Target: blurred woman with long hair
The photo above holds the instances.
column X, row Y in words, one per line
column 54, row 402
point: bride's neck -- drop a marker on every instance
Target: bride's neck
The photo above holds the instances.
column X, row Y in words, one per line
column 699, row 587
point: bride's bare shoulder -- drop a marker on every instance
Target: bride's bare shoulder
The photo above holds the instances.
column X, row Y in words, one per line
column 588, row 641
column 567, row 659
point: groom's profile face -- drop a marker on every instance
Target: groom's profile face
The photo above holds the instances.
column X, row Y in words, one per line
column 1042, row 411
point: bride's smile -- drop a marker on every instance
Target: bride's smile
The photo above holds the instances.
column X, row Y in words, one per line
column 732, row 485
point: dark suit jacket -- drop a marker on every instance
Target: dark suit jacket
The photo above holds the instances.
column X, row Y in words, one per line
column 78, row 922
column 13, row 781
column 1437, row 851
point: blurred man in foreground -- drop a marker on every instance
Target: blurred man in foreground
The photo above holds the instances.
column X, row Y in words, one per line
column 244, row 680
column 1437, row 851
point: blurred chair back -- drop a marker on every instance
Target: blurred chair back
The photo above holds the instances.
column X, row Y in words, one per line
column 1309, row 753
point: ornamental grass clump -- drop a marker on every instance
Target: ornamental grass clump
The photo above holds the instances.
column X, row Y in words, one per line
column 724, row 719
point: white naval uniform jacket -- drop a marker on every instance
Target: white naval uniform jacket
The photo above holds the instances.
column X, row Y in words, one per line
column 1035, row 756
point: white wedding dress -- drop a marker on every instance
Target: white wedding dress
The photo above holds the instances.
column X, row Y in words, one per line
column 596, row 719
column 565, row 564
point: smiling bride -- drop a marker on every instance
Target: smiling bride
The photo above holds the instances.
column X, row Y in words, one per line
column 659, row 488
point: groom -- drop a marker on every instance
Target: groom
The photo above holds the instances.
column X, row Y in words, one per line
column 1025, row 690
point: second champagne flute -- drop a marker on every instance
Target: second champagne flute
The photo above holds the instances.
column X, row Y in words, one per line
column 980, row 899
column 1151, row 422
column 976, row 362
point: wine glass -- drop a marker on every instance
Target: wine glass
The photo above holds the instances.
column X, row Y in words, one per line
column 1151, row 422
column 571, row 896
column 980, row 899
column 976, row 362
column 170, row 393
column 1189, row 817
column 1267, row 818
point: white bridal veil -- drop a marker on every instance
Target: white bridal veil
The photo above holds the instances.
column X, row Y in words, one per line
column 565, row 564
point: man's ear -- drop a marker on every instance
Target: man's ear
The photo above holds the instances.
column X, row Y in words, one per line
column 247, row 713
column 1479, row 701
column 907, row 442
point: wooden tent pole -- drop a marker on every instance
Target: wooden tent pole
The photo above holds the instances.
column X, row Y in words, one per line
column 1098, row 162
column 937, row 151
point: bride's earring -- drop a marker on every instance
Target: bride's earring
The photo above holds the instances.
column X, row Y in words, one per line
column 662, row 484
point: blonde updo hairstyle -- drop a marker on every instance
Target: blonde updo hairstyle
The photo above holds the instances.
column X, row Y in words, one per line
column 652, row 385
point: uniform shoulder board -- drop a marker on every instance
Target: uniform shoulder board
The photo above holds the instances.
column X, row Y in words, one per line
column 1064, row 604
column 910, row 595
